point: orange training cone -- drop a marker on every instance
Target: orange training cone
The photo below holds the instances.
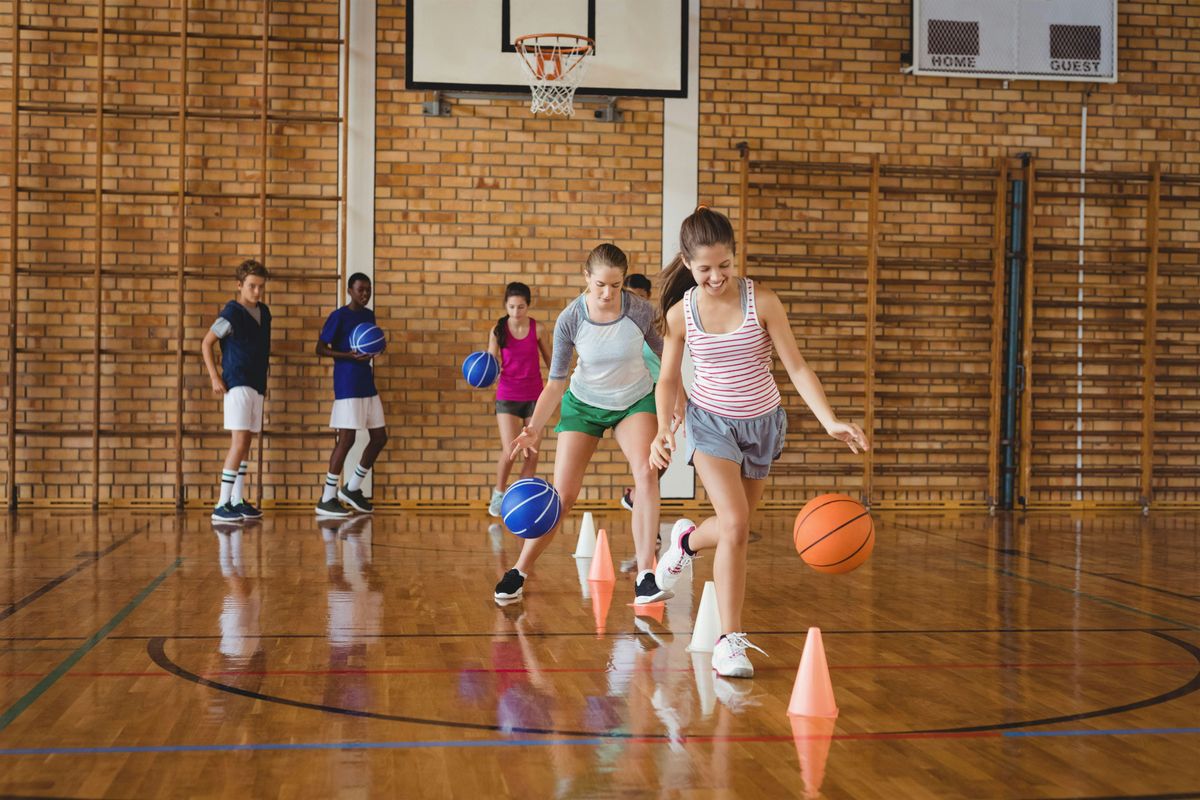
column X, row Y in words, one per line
column 812, row 695
column 812, row 736
column 602, row 595
column 602, row 566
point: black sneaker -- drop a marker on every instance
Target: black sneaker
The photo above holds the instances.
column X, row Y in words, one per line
column 627, row 500
column 648, row 592
column 247, row 511
column 510, row 586
column 356, row 500
column 331, row 508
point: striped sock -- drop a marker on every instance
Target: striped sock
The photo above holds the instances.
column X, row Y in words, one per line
column 240, row 484
column 330, row 487
column 227, row 479
column 360, row 473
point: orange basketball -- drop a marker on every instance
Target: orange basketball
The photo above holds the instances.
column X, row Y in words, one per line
column 834, row 533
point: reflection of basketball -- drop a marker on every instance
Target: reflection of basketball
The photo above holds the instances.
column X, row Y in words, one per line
column 834, row 533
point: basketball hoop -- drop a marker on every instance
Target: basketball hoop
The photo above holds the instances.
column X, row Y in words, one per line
column 554, row 64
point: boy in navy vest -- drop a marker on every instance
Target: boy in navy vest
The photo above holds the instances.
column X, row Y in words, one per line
column 244, row 330
column 356, row 404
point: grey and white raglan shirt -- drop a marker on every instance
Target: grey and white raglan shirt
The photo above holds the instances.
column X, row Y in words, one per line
column 611, row 373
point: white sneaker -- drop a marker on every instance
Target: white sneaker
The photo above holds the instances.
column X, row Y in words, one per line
column 673, row 562
column 494, row 505
column 729, row 656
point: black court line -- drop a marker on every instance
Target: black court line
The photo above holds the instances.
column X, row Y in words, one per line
column 156, row 649
column 591, row 634
column 1180, row 691
column 1011, row 552
column 51, row 584
column 157, row 652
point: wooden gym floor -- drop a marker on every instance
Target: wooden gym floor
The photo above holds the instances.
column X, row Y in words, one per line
column 148, row 655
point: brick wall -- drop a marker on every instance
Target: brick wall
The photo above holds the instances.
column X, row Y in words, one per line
column 465, row 204
column 137, row 227
column 468, row 202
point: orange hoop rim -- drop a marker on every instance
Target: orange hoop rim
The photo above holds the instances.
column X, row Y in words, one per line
column 521, row 43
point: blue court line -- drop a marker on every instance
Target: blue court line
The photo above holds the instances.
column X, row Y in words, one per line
column 1108, row 732
column 28, row 699
column 468, row 743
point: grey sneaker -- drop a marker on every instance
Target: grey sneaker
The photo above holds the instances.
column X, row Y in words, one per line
column 494, row 505
column 332, row 508
column 356, row 500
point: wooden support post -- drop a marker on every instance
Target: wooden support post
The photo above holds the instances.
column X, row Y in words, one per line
column 344, row 201
column 998, row 258
column 872, row 291
column 744, row 211
column 262, row 200
column 181, row 260
column 14, row 222
column 1149, row 347
column 1026, row 454
column 98, row 275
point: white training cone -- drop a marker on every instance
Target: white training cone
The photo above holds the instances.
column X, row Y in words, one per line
column 587, row 537
column 708, row 622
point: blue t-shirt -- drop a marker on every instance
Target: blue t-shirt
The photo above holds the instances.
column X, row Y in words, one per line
column 350, row 378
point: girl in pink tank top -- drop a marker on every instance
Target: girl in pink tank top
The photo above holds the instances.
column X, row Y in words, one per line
column 517, row 342
column 734, row 423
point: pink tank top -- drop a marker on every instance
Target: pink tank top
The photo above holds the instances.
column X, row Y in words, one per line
column 520, row 370
column 733, row 370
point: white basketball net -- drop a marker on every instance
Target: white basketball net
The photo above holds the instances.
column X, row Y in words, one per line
column 554, row 64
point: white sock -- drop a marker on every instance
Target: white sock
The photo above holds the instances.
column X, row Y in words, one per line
column 360, row 473
column 227, row 480
column 239, row 484
column 330, row 487
column 641, row 575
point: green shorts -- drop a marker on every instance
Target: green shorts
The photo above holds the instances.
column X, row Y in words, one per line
column 579, row 416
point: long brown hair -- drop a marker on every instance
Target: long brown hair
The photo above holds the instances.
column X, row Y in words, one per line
column 704, row 228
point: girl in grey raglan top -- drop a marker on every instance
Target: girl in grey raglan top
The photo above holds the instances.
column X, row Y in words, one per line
column 611, row 387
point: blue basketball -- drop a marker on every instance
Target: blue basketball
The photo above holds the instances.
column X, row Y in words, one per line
column 367, row 338
column 530, row 508
column 480, row 369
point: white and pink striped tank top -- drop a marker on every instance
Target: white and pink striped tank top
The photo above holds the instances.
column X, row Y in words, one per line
column 733, row 370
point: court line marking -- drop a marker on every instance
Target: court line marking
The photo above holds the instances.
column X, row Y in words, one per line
column 156, row 649
column 1048, row 562
column 594, row 741
column 282, row 673
column 51, row 584
column 28, row 699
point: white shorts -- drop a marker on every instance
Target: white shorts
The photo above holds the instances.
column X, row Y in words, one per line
column 243, row 409
column 357, row 414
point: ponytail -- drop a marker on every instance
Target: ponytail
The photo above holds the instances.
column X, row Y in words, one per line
column 704, row 228
column 676, row 279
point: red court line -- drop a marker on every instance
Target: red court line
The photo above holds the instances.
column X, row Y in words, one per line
column 604, row 671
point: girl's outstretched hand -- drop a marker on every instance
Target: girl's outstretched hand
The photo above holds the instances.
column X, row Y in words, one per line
column 524, row 443
column 851, row 434
column 661, row 449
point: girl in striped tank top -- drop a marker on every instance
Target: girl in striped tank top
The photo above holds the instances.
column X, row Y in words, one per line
column 735, row 423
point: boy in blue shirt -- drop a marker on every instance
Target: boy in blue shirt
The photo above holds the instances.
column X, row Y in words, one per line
column 356, row 404
column 244, row 330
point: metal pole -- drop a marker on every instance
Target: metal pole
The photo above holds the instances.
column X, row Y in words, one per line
column 997, row 330
column 262, row 231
